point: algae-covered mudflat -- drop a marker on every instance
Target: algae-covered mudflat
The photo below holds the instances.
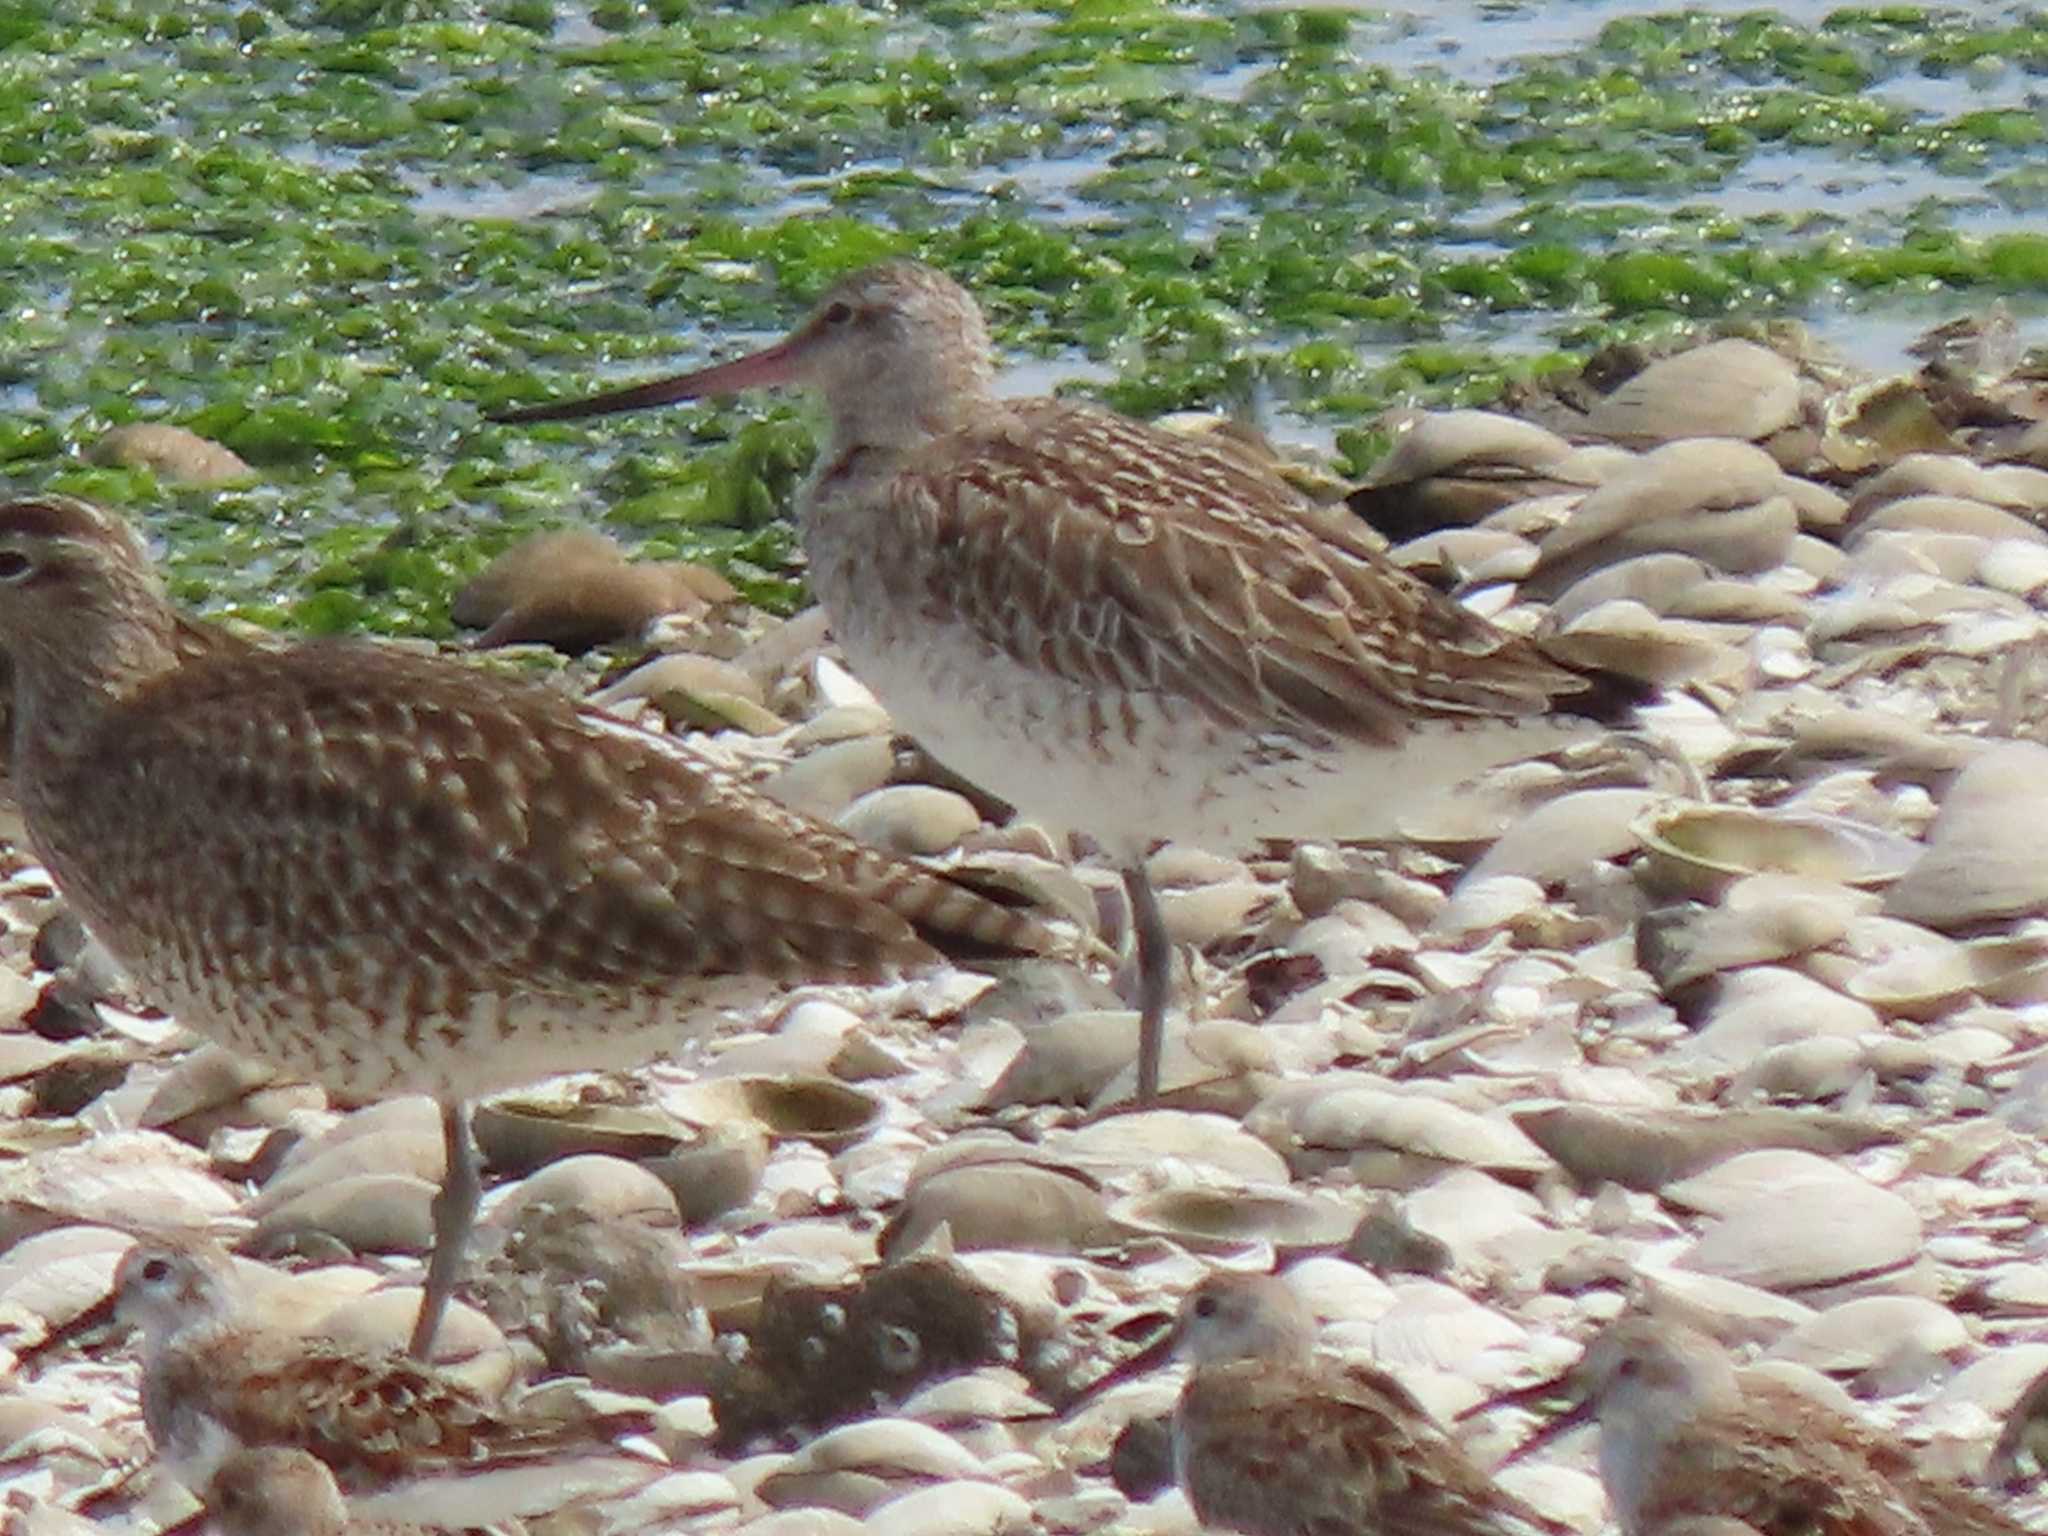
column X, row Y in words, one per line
column 331, row 234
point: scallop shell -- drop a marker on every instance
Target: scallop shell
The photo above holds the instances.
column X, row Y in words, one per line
column 820, row 1110
column 1698, row 851
column 1218, row 1220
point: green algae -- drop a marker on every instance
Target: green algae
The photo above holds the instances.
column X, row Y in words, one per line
column 333, row 234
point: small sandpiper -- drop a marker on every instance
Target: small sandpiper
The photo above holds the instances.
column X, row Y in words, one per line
column 214, row 1382
column 279, row 1491
column 1272, row 1439
column 395, row 873
column 1684, row 1438
column 1119, row 629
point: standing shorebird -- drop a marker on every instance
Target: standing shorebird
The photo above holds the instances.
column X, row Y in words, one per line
column 1121, row 630
column 1271, row 1439
column 1683, row 1438
column 395, row 873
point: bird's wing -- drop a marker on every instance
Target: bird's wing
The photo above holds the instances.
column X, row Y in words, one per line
column 1949, row 1507
column 324, row 812
column 1132, row 559
column 1349, row 1453
column 372, row 1416
column 1788, row 1466
column 365, row 1415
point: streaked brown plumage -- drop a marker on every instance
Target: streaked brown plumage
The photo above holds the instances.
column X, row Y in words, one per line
column 392, row 872
column 1683, row 1438
column 1271, row 1439
column 1116, row 628
column 214, row 1383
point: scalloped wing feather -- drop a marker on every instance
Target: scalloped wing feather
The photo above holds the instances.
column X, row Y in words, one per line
column 1123, row 556
column 1332, row 1450
column 388, row 815
column 1789, row 1467
column 364, row 1415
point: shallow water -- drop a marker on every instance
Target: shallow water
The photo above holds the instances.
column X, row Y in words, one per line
column 333, row 233
column 1485, row 40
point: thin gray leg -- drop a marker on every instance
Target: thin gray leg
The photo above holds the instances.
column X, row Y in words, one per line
column 454, row 1215
column 1155, row 978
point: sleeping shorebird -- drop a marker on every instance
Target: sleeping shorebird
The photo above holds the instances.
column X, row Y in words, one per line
column 1271, row 1439
column 1119, row 629
column 279, row 1491
column 1683, row 1438
column 395, row 873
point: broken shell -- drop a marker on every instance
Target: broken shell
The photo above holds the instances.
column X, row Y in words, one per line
column 1149, row 1138
column 1627, row 638
column 1216, row 1220
column 1725, row 389
column 826, row 1113
column 1869, row 1332
column 1987, row 853
column 1718, row 500
column 1000, row 1205
column 1810, row 1236
column 520, row 1133
column 1790, row 1221
column 1649, row 1149
column 1699, row 851
column 1387, row 1137
column 1555, row 842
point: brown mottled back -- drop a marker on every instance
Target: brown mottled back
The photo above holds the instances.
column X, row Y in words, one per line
column 1279, row 1449
column 1787, row 1466
column 1272, row 1439
column 379, row 867
column 353, row 794
column 1682, row 1436
column 369, row 1416
column 1120, row 555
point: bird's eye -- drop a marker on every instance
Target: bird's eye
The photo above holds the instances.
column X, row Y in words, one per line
column 838, row 312
column 155, row 1271
column 1205, row 1306
column 14, row 565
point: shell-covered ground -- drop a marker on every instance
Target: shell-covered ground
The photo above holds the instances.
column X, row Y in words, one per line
column 1740, row 1020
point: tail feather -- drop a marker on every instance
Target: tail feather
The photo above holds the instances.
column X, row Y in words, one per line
column 1609, row 698
column 966, row 917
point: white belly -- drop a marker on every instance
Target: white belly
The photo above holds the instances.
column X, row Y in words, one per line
column 397, row 1044
column 1129, row 769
